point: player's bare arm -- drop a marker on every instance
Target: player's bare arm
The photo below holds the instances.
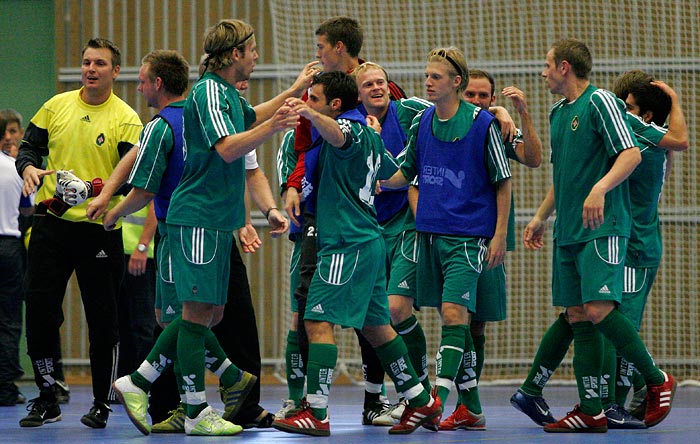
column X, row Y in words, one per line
column 327, row 127
column 238, row 145
column 134, row 201
column 625, row 163
column 265, row 110
column 533, row 235
column 505, row 121
column 32, row 178
column 530, row 151
column 676, row 138
column 97, row 206
column 497, row 247
column 260, row 192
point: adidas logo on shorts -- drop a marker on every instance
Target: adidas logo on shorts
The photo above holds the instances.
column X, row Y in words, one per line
column 465, row 296
column 169, row 310
column 101, row 255
column 317, row 309
column 604, row 290
column 404, row 285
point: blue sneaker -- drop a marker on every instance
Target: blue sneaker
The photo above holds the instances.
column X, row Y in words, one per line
column 535, row 407
column 619, row 418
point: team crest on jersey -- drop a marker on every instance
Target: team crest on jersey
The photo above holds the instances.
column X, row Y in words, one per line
column 574, row 123
column 100, row 139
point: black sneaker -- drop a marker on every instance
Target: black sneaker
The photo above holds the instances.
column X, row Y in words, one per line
column 373, row 410
column 619, row 418
column 62, row 391
column 97, row 416
column 264, row 421
column 41, row 411
column 535, row 407
column 21, row 399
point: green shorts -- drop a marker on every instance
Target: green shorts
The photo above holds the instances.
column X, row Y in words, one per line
column 401, row 255
column 638, row 282
column 448, row 269
column 491, row 295
column 588, row 271
column 349, row 289
column 166, row 296
column 294, row 273
column 201, row 261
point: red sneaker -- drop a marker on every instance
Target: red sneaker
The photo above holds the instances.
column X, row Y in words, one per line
column 413, row 418
column 578, row 422
column 304, row 422
column 658, row 400
column 463, row 419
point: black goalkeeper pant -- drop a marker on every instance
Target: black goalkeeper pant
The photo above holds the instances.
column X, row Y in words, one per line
column 57, row 248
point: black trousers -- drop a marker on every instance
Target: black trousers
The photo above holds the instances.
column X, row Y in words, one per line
column 56, row 249
column 12, row 256
column 238, row 335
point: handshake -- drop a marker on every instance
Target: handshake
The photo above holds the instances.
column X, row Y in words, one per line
column 70, row 191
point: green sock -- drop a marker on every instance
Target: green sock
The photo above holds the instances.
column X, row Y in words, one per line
column 623, row 380
column 160, row 357
column 397, row 364
column 413, row 336
column 618, row 328
column 479, row 342
column 552, row 350
column 296, row 373
column 449, row 358
column 190, row 354
column 178, row 378
column 637, row 380
column 608, row 374
column 322, row 361
column 588, row 361
column 217, row 361
column 466, row 380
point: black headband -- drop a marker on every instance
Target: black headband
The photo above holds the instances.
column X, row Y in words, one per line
column 224, row 50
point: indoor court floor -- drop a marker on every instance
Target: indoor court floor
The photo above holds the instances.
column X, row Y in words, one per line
column 504, row 423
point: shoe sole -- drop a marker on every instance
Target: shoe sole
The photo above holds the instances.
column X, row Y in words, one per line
column 174, row 432
column 474, row 429
column 39, row 424
column 586, row 430
column 424, row 423
column 658, row 420
column 244, row 394
column 291, row 429
column 131, row 416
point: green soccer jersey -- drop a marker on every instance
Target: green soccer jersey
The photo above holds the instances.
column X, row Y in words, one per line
column 346, row 185
column 286, row 159
column 455, row 129
column 586, row 137
column 210, row 193
column 155, row 145
column 645, row 183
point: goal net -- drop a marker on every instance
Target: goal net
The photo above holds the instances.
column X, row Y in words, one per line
column 510, row 39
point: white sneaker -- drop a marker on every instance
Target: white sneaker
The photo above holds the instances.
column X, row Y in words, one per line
column 210, row 423
column 135, row 402
column 397, row 412
column 288, row 409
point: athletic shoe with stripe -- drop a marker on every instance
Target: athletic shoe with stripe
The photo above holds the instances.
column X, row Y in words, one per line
column 391, row 416
column 175, row 423
column 304, row 423
column 413, row 418
column 135, row 402
column 209, row 423
column 578, row 422
column 374, row 410
column 463, row 419
column 233, row 396
column 659, row 400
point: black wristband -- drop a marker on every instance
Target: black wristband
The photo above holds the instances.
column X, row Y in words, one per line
column 267, row 213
